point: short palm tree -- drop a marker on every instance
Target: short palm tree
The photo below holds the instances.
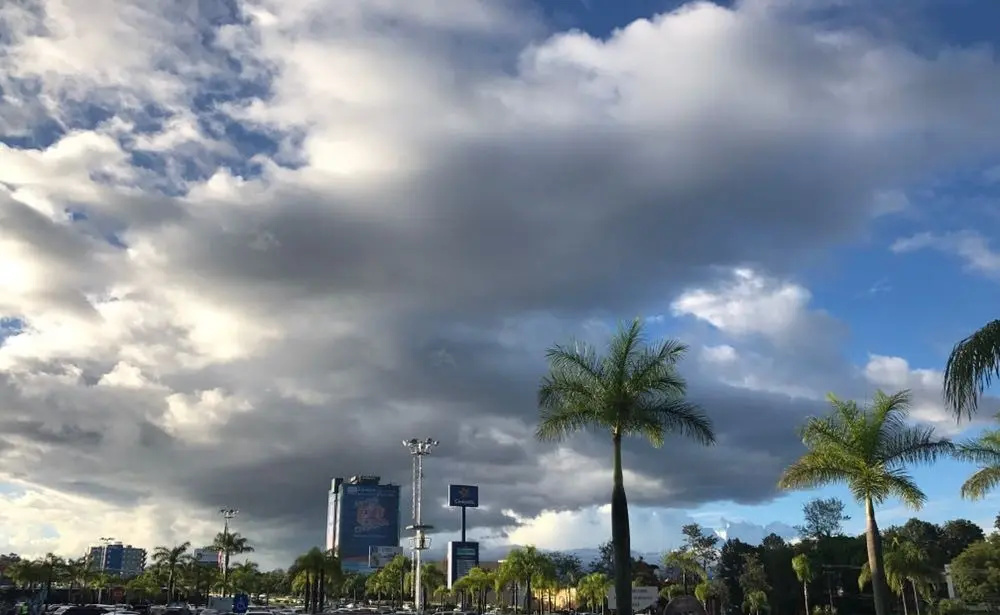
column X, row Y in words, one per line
column 905, row 563
column 983, row 451
column 868, row 449
column 972, row 365
column 633, row 390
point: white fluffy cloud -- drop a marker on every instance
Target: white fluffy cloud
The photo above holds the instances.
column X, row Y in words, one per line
column 250, row 250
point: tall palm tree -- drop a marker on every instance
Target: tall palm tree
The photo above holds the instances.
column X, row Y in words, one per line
column 972, row 365
column 170, row 558
column 633, row 390
column 983, row 451
column 230, row 543
column 805, row 574
column 868, row 448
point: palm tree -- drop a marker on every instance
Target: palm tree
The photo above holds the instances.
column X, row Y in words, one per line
column 983, row 451
column 868, row 448
column 230, row 543
column 973, row 364
column 805, row 574
column 687, row 563
column 593, row 589
column 170, row 558
column 905, row 563
column 634, row 390
column 77, row 573
column 756, row 601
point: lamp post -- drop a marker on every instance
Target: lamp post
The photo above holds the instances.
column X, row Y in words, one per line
column 418, row 450
column 227, row 515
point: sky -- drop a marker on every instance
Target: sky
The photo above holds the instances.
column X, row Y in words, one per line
column 248, row 246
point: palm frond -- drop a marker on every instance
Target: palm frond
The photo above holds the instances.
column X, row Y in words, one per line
column 677, row 416
column 622, row 349
column 973, row 364
column 810, row 472
column 983, row 481
column 983, row 451
column 912, row 444
column 899, row 484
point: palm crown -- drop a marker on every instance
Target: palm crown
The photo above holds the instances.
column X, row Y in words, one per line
column 633, row 390
column 868, row 448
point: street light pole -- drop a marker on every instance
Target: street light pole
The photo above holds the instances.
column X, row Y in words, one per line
column 227, row 515
column 418, row 450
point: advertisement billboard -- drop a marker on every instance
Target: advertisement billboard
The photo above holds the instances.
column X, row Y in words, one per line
column 368, row 517
column 466, row 496
column 379, row 557
column 462, row 557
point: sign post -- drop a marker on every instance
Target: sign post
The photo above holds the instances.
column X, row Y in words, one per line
column 463, row 496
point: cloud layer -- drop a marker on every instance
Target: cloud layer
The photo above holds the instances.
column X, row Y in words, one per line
column 246, row 247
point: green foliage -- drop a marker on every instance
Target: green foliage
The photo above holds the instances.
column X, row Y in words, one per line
column 976, row 572
column 823, row 518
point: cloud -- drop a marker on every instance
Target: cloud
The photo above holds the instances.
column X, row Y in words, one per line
column 254, row 246
column 970, row 246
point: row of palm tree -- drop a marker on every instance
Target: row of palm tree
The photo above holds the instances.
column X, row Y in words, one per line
column 635, row 389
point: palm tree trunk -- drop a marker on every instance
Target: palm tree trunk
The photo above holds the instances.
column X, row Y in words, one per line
column 805, row 594
column 880, row 590
column 620, row 535
column 322, row 589
column 902, row 596
column 916, row 598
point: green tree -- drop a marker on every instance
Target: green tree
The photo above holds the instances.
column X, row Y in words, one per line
column 823, row 518
column 976, row 572
column 700, row 544
column 972, row 365
column 593, row 589
column 170, row 558
column 868, row 448
column 633, row 390
column 957, row 535
column 685, row 562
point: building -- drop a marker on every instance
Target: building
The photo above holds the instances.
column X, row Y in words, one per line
column 116, row 559
column 361, row 513
column 331, row 513
column 208, row 556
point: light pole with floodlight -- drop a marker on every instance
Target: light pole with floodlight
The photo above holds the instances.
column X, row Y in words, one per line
column 418, row 450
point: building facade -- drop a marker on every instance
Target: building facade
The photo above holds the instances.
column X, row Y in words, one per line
column 117, row 559
column 362, row 513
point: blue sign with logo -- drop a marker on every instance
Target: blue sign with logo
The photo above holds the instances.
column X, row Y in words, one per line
column 369, row 517
column 241, row 602
column 466, row 496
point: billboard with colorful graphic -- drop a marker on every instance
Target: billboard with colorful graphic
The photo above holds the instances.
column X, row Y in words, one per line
column 369, row 517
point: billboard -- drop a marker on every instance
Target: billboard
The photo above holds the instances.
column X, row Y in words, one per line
column 379, row 557
column 462, row 557
column 114, row 557
column 466, row 496
column 368, row 517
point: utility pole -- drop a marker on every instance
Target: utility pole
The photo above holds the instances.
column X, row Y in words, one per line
column 227, row 515
column 418, row 450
